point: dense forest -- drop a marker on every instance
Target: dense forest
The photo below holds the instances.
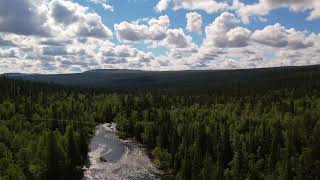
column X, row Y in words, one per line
column 227, row 133
column 38, row 139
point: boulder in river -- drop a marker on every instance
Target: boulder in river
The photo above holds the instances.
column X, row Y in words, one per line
column 102, row 159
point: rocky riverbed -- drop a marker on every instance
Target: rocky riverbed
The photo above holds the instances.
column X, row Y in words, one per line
column 112, row 158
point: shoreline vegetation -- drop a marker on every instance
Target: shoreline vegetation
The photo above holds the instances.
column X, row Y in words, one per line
column 226, row 133
column 165, row 174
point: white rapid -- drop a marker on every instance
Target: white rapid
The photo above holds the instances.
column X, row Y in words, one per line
column 112, row 158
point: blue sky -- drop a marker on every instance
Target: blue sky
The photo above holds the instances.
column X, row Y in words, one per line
column 54, row 36
column 130, row 10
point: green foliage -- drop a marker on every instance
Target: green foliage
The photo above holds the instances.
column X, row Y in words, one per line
column 162, row 157
column 43, row 134
column 231, row 133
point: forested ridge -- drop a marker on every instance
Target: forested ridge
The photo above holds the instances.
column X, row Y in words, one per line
column 252, row 132
column 187, row 82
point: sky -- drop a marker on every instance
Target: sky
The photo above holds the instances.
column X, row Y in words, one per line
column 67, row 36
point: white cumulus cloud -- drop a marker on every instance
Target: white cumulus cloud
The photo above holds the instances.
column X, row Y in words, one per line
column 162, row 5
column 263, row 7
column 209, row 6
column 278, row 36
column 194, row 22
column 104, row 4
column 156, row 30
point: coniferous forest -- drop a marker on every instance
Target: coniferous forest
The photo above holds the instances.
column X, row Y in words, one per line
column 226, row 134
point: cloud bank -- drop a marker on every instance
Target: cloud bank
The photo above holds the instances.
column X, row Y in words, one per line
column 59, row 36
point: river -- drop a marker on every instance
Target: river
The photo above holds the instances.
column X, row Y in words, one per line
column 112, row 158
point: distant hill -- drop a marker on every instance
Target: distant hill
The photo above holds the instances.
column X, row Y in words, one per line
column 204, row 80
